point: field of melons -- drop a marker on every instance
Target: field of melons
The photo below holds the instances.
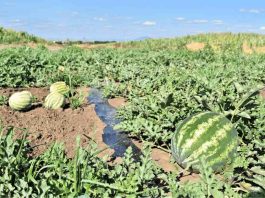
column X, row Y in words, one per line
column 164, row 83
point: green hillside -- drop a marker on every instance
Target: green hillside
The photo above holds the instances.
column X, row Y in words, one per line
column 8, row 36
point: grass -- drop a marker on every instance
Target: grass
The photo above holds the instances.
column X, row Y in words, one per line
column 8, row 36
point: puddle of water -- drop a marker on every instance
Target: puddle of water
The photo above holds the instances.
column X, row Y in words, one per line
column 117, row 140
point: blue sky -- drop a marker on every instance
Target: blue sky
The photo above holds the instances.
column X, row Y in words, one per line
column 131, row 19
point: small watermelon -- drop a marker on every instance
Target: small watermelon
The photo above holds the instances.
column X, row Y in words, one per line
column 54, row 101
column 206, row 134
column 59, row 87
column 20, row 100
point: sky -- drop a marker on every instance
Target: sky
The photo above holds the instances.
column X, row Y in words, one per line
column 130, row 19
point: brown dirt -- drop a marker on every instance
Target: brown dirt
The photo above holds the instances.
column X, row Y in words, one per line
column 190, row 178
column 91, row 46
column 117, row 102
column 56, row 47
column 51, row 47
column 47, row 126
column 104, row 45
column 250, row 50
column 260, row 50
column 161, row 158
column 246, row 49
column 195, row 46
column 262, row 93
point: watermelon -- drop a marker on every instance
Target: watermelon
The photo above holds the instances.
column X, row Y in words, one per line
column 54, row 101
column 20, row 100
column 206, row 134
column 59, row 87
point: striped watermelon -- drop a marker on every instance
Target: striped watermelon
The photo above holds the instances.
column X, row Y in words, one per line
column 54, row 101
column 59, row 87
column 20, row 100
column 205, row 134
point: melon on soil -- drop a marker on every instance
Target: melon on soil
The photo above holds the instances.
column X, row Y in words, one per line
column 59, row 87
column 20, row 100
column 54, row 101
column 206, row 134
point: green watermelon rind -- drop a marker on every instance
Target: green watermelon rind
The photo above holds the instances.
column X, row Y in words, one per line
column 187, row 149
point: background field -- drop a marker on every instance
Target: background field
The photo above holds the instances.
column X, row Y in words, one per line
column 164, row 81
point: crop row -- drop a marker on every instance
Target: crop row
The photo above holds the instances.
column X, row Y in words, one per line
column 163, row 87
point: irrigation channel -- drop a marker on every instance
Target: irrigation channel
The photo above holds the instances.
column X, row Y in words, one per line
column 117, row 140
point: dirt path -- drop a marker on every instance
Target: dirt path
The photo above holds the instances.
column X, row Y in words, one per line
column 53, row 47
column 56, row 47
column 195, row 46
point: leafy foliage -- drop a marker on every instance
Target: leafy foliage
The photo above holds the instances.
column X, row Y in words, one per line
column 52, row 174
column 164, row 83
column 3, row 100
column 10, row 36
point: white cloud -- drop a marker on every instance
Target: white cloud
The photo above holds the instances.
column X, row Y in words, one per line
column 217, row 22
column 99, row 19
column 180, row 18
column 255, row 11
column 197, row 21
column 252, row 11
column 149, row 23
column 17, row 22
column 262, row 28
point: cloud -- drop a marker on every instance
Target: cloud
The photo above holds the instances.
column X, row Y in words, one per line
column 149, row 23
column 217, row 22
column 17, row 22
column 180, row 18
column 262, row 28
column 251, row 11
column 99, row 19
column 199, row 21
